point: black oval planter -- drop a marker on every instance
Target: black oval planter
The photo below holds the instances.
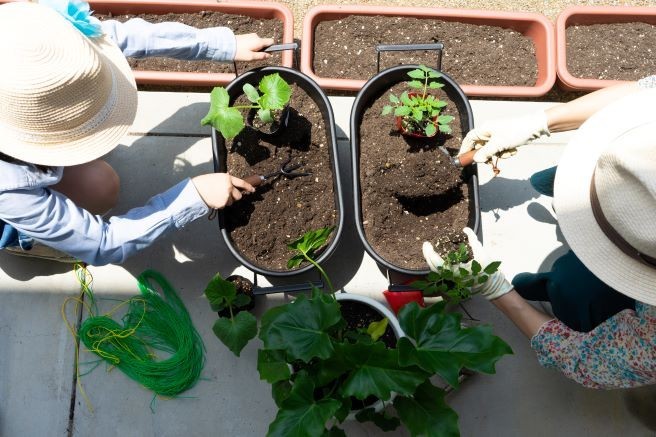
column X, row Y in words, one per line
column 219, row 152
column 373, row 89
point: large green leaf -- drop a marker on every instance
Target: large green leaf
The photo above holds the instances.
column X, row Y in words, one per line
column 236, row 332
column 442, row 346
column 276, row 92
column 426, row 413
column 301, row 328
column 272, row 365
column 220, row 292
column 311, row 241
column 376, row 371
column 226, row 120
column 300, row 414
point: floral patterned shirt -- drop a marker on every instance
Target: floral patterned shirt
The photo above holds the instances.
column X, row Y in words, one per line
column 619, row 353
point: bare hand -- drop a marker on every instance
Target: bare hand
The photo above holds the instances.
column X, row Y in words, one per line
column 249, row 46
column 219, row 190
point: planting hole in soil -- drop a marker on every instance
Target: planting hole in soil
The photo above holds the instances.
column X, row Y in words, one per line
column 282, row 208
column 411, row 192
column 240, row 24
column 473, row 54
column 613, row 51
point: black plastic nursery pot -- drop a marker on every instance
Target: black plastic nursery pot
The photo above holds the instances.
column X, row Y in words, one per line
column 372, row 90
column 220, row 155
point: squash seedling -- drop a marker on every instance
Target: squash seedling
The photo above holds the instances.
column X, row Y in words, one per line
column 418, row 113
column 269, row 102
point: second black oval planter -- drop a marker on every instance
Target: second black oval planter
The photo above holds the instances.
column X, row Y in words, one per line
column 372, row 90
column 220, row 160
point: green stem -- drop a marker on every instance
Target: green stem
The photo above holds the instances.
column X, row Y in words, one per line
column 425, row 84
column 321, row 271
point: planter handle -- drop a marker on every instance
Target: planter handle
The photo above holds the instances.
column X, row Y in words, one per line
column 277, row 48
column 438, row 46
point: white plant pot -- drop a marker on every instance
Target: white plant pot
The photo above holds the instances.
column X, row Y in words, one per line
column 393, row 323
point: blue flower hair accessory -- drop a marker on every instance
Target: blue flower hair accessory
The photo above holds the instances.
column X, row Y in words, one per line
column 78, row 13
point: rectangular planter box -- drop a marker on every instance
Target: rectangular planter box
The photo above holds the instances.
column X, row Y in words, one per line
column 255, row 9
column 534, row 26
column 586, row 15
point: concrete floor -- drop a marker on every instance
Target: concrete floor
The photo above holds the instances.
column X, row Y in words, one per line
column 36, row 350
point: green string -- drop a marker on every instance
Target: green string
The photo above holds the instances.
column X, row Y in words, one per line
column 154, row 322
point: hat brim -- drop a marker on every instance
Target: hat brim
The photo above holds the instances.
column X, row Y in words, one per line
column 103, row 138
column 572, row 195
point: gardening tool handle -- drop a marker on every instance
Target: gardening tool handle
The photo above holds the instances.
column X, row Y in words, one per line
column 466, row 158
column 277, row 48
column 255, row 180
column 438, row 46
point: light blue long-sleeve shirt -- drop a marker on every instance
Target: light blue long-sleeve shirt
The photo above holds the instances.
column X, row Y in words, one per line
column 28, row 204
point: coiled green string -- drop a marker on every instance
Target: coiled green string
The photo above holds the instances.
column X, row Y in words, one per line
column 154, row 322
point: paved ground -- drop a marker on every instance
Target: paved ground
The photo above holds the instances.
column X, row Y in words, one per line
column 36, row 351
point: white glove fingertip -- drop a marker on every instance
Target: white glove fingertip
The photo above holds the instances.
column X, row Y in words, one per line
column 432, row 258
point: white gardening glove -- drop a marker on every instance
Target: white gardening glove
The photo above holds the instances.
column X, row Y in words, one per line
column 503, row 135
column 496, row 285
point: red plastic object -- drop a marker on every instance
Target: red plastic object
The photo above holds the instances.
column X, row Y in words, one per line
column 256, row 9
column 533, row 25
column 397, row 299
column 587, row 15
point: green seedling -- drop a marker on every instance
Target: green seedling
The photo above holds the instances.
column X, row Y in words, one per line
column 274, row 93
column 420, row 111
column 452, row 280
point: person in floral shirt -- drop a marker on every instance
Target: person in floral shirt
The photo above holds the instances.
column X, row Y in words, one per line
column 603, row 292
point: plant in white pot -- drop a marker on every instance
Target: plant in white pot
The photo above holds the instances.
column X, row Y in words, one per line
column 326, row 362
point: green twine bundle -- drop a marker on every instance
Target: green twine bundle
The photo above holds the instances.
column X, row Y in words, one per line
column 153, row 322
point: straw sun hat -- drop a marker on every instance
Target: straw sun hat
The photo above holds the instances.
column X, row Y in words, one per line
column 605, row 195
column 65, row 98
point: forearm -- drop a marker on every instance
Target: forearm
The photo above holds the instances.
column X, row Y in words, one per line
column 523, row 315
column 571, row 115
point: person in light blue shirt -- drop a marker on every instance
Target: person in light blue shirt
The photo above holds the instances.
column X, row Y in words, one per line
column 67, row 96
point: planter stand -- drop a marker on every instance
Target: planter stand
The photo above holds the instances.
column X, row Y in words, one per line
column 220, row 165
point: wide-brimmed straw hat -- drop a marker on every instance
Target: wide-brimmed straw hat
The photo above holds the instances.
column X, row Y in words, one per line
column 605, row 195
column 65, row 98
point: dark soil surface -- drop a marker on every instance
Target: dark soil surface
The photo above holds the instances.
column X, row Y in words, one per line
column 282, row 209
column 410, row 189
column 614, row 51
column 238, row 23
column 473, row 54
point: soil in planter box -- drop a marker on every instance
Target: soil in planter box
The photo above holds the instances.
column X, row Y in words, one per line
column 239, row 24
column 398, row 218
column 473, row 54
column 281, row 210
column 614, row 51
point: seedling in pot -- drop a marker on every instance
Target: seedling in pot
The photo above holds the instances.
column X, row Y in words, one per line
column 418, row 113
column 270, row 107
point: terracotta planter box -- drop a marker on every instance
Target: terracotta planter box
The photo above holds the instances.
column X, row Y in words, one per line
column 253, row 9
column 587, row 15
column 534, row 26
